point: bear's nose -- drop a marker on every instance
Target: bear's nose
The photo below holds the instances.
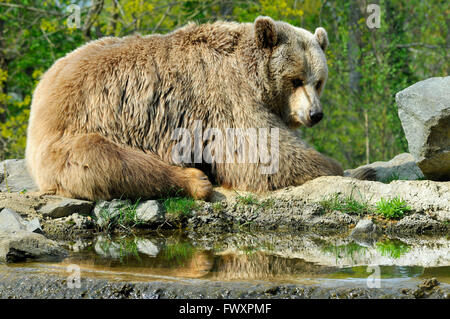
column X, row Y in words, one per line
column 315, row 116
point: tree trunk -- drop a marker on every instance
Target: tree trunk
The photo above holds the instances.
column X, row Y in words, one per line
column 3, row 67
column 366, row 132
column 354, row 63
column 94, row 12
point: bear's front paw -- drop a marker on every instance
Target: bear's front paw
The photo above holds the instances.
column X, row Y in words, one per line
column 197, row 184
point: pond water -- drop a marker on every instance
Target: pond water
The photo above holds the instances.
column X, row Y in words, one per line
column 284, row 258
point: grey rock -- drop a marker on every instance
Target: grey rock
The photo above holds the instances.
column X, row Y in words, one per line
column 309, row 212
column 10, row 220
column 418, row 224
column 20, row 245
column 421, row 196
column 150, row 212
column 14, row 177
column 441, row 216
column 366, row 229
column 424, row 110
column 296, row 208
column 401, row 167
column 334, row 220
column 66, row 207
column 34, row 226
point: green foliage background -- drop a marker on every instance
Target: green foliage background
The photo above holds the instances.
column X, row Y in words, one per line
column 367, row 66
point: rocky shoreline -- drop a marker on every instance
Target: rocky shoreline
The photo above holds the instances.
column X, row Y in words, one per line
column 20, row 284
column 37, row 227
column 291, row 209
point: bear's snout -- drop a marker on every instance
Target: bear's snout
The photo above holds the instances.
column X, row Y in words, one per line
column 315, row 116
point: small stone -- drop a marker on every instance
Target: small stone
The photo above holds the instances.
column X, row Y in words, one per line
column 20, row 245
column 10, row 220
column 34, row 226
column 66, row 207
column 429, row 284
column 150, row 212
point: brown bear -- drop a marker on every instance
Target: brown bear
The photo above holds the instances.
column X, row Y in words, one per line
column 103, row 117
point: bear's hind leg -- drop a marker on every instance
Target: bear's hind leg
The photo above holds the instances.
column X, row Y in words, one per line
column 92, row 167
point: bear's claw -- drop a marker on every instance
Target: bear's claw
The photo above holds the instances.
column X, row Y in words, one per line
column 197, row 184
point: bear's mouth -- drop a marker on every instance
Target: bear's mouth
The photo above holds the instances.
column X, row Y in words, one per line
column 294, row 121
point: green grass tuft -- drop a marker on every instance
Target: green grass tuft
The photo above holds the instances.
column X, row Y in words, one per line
column 248, row 199
column 394, row 208
column 218, row 206
column 251, row 199
column 347, row 204
column 180, row 206
column 124, row 218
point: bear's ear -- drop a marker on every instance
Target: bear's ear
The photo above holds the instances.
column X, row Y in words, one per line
column 265, row 33
column 322, row 38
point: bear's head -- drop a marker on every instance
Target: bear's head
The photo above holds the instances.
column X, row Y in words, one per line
column 296, row 70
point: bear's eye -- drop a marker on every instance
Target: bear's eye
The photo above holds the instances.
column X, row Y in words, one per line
column 318, row 85
column 297, row 83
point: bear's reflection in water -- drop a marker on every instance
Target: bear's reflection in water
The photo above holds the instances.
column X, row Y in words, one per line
column 261, row 266
column 191, row 263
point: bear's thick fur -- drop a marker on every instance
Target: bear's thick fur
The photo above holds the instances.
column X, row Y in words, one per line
column 102, row 117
